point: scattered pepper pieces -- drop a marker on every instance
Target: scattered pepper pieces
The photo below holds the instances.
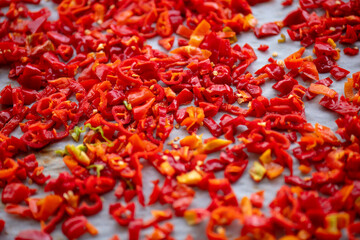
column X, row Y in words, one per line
column 93, row 64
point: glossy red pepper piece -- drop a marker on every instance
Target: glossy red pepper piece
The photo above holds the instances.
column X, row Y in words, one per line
column 86, row 210
column 266, row 30
column 16, row 193
column 33, row 235
column 351, row 51
column 339, row 73
column 263, row 47
column 2, row 225
column 74, row 227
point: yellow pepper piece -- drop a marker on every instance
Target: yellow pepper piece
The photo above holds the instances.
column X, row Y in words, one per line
column 78, row 155
column 215, row 145
column 246, row 206
column 189, row 178
column 273, row 170
column 193, row 141
column 331, row 42
column 304, row 169
column 167, row 169
column 190, row 217
column 257, row 171
column 192, row 52
column 348, row 89
column 266, row 157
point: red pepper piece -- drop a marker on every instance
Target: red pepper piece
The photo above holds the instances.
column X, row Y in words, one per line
column 11, row 52
column 213, row 127
column 18, row 210
column 53, row 61
column 87, row 210
column 285, row 86
column 75, row 227
column 35, row 25
column 287, row 2
column 350, row 35
column 254, row 223
column 33, row 235
column 257, row 199
column 322, row 89
column 114, row 237
column 234, row 171
column 50, row 226
column 184, row 32
column 353, row 230
column 326, row 49
column 5, row 116
column 297, row 181
column 308, row 71
column 273, row 70
column 241, row 6
column 154, row 196
column 127, row 79
column 65, row 51
column 2, row 225
column 351, row 51
column 266, row 30
column 29, row 95
column 183, row 98
column 221, row 74
column 324, row 64
column 263, row 47
column 167, row 43
column 12, row 124
column 58, row 38
column 140, row 112
column 134, row 229
column 163, row 25
column 296, row 17
column 6, row 95
column 8, row 169
column 31, row 72
column 15, row 193
column 183, row 42
column 63, row 184
column 254, row 2
column 213, row 165
column 339, row 105
column 339, row 73
column 98, row 185
column 121, row 114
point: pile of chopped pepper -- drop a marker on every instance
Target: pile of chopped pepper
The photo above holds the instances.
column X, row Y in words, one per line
column 90, row 78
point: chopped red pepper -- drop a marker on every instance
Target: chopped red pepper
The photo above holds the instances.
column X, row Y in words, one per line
column 94, row 65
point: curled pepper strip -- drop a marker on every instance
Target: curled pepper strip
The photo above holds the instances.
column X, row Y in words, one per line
column 86, row 210
column 122, row 214
column 218, row 218
column 10, row 166
column 321, row 89
column 46, row 207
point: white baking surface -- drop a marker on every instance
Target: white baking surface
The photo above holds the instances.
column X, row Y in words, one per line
column 265, row 12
